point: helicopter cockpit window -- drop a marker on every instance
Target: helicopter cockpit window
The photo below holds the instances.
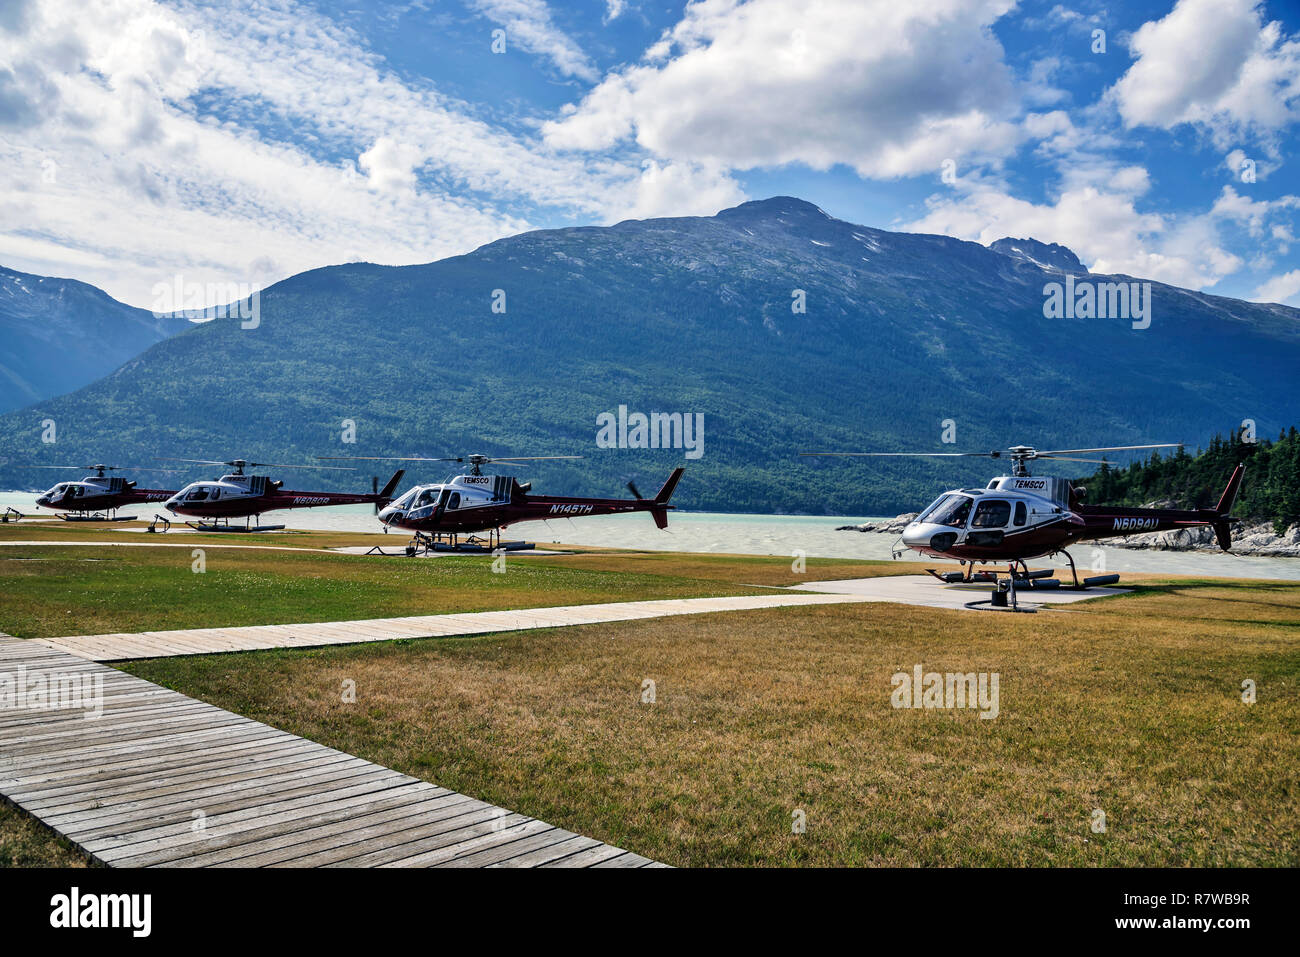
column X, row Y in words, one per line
column 952, row 511
column 197, row 495
column 1021, row 515
column 74, row 491
column 934, row 507
column 454, row 501
column 405, row 501
column 427, row 497
column 991, row 513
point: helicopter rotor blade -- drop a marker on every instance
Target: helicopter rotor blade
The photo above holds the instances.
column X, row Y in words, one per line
column 107, row 468
column 385, row 458
column 276, row 465
column 993, row 455
column 636, row 493
column 533, row 458
column 1070, row 458
column 1112, row 448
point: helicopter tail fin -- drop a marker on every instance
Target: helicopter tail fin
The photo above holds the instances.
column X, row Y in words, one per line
column 1222, row 511
column 386, row 493
column 666, row 492
column 659, row 510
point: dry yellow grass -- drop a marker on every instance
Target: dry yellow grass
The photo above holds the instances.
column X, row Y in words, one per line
column 1131, row 706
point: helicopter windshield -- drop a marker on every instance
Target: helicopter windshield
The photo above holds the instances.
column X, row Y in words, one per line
column 405, row 501
column 197, row 495
column 948, row 510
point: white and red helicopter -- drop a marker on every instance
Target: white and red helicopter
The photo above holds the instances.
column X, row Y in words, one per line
column 236, row 495
column 99, row 496
column 1017, row 517
column 474, row 502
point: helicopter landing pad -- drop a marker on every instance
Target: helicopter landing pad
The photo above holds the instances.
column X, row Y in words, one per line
column 924, row 590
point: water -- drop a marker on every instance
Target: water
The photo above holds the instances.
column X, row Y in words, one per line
column 719, row 532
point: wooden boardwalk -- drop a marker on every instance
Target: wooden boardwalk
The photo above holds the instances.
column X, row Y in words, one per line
column 163, row 780
column 204, row 641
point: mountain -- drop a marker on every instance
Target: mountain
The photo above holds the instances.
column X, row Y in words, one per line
column 60, row 334
column 899, row 333
column 1048, row 255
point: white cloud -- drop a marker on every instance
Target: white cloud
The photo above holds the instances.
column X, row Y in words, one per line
column 1102, row 226
column 614, row 9
column 110, row 172
column 528, row 24
column 1248, row 213
column 390, row 165
column 891, row 89
column 682, row 189
column 1283, row 288
column 1213, row 63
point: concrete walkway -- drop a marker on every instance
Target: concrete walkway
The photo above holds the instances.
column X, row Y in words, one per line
column 205, row 641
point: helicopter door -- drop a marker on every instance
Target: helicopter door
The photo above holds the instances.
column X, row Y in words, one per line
column 442, row 505
column 988, row 522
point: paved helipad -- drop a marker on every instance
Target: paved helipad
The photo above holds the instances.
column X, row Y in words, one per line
column 932, row 593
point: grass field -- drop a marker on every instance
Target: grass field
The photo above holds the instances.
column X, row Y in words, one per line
column 54, row 590
column 1129, row 705
column 25, row 842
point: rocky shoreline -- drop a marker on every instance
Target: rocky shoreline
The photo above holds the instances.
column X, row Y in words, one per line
column 1247, row 539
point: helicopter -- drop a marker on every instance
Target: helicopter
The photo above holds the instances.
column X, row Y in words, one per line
column 99, row 493
column 237, row 495
column 475, row 502
column 1019, row 516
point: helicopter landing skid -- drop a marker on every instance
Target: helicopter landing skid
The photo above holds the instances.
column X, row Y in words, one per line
column 214, row 527
column 1023, row 577
column 98, row 517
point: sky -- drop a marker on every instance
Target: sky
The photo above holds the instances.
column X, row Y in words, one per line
column 233, row 144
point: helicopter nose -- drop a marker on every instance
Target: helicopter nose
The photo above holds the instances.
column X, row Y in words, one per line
column 924, row 535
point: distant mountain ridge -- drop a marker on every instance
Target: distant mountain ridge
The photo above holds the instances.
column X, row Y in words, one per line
column 61, row 334
column 787, row 329
column 1052, row 255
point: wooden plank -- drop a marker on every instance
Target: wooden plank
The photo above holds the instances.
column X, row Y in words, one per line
column 587, row 858
column 468, row 840
column 552, row 852
column 507, row 850
column 239, row 825
column 329, row 843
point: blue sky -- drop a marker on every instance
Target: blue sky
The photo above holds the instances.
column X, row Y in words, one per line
column 247, row 140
